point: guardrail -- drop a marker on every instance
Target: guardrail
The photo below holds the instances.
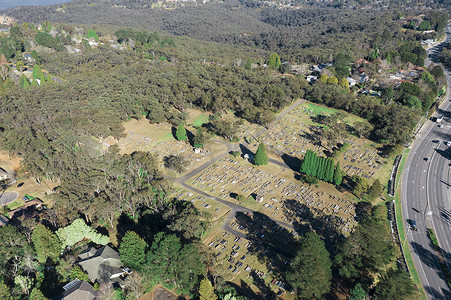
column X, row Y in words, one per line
column 392, row 180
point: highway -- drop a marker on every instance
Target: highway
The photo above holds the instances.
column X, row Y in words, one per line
column 425, row 191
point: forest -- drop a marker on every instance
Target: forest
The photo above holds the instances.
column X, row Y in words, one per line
column 218, row 67
column 307, row 34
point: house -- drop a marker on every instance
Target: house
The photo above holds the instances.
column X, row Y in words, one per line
column 363, row 78
column 351, row 81
column 311, row 78
column 3, row 175
column 78, row 290
column 28, row 57
column 102, row 265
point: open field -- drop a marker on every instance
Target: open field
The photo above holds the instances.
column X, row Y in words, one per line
column 9, row 163
column 158, row 139
column 197, row 117
column 24, row 185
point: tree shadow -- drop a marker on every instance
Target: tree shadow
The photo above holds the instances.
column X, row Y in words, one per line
column 305, row 218
column 444, row 113
column 148, row 224
column 444, row 215
column 245, row 150
column 51, row 286
column 174, row 132
column 427, row 257
column 362, row 211
column 264, row 289
column 273, row 244
column 442, row 294
column 291, row 161
column 244, row 289
column 190, row 137
column 445, row 153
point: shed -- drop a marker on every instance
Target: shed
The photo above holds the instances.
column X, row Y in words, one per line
column 3, row 175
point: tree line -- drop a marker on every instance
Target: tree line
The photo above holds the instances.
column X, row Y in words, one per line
column 321, row 168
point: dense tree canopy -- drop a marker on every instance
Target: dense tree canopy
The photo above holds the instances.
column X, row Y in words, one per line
column 132, row 250
column 169, row 261
column 311, row 272
column 46, row 244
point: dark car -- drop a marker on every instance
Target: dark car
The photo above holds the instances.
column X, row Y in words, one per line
column 413, row 224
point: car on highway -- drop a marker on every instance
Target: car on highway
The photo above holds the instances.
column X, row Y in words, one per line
column 413, row 225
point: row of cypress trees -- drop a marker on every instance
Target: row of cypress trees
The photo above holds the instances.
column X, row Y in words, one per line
column 321, row 168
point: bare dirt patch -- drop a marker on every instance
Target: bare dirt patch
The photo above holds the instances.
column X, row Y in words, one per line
column 158, row 139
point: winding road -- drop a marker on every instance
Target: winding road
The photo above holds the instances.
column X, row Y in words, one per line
column 425, row 189
column 234, row 207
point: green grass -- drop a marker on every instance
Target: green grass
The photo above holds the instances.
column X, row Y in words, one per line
column 166, row 137
column 402, row 231
column 443, row 266
column 202, row 119
column 350, row 118
column 433, row 238
column 15, row 204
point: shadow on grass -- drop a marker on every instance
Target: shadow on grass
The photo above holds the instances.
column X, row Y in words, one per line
column 273, row 245
column 305, row 218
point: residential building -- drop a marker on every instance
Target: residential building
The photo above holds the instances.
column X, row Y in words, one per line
column 78, row 290
column 102, row 264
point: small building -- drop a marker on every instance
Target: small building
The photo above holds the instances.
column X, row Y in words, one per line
column 78, row 290
column 363, row 78
column 102, row 265
column 259, row 198
column 3, row 175
column 28, row 57
column 311, row 78
column 351, row 81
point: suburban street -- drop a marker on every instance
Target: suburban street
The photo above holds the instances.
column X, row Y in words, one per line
column 425, row 194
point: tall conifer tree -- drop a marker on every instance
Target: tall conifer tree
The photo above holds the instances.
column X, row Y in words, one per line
column 338, row 175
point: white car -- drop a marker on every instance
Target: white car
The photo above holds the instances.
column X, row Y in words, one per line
column 447, row 143
column 440, row 125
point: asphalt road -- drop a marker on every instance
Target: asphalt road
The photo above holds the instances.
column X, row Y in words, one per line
column 424, row 195
column 235, row 208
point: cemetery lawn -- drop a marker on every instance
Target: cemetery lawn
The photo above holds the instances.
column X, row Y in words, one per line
column 280, row 195
column 224, row 246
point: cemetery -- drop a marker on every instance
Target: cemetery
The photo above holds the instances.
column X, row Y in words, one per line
column 292, row 135
column 267, row 190
column 242, row 263
column 210, row 207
